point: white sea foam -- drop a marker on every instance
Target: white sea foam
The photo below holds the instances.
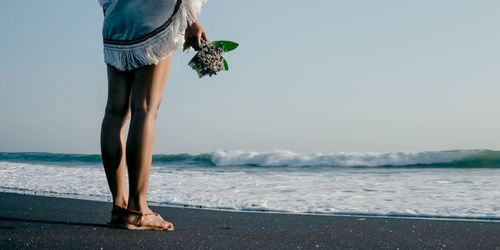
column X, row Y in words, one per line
column 288, row 158
column 442, row 192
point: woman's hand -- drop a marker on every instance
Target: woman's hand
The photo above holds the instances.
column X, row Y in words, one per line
column 193, row 35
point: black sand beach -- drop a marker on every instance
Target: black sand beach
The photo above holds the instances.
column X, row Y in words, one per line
column 43, row 222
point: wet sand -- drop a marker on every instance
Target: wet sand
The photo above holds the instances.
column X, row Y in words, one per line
column 44, row 222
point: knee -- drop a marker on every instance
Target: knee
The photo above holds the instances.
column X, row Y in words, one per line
column 121, row 112
column 146, row 110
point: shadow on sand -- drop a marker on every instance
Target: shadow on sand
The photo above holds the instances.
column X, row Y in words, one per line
column 53, row 222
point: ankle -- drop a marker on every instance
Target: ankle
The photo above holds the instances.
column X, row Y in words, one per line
column 120, row 202
column 140, row 208
column 138, row 205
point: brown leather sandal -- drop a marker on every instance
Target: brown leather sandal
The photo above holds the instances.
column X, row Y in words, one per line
column 117, row 216
column 139, row 224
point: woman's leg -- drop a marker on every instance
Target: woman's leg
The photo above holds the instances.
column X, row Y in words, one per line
column 113, row 132
column 147, row 92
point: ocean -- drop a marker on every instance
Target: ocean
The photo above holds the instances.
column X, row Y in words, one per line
column 459, row 184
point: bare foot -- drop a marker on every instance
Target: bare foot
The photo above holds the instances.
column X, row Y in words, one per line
column 146, row 221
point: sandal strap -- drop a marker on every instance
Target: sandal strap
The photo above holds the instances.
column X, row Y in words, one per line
column 141, row 215
column 135, row 211
column 140, row 221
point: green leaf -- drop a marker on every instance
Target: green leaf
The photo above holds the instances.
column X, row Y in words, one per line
column 226, row 67
column 228, row 45
column 195, row 57
column 186, row 47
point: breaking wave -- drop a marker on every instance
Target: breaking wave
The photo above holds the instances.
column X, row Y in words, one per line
column 284, row 158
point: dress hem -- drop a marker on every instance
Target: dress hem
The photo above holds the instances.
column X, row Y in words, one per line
column 166, row 39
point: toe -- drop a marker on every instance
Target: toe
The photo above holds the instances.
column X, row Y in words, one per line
column 169, row 226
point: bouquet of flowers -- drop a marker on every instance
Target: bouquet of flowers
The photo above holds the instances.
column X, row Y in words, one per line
column 209, row 60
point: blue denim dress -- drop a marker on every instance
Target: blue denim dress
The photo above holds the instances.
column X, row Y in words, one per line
column 144, row 32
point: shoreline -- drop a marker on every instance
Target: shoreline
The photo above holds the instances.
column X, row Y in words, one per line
column 341, row 214
column 28, row 221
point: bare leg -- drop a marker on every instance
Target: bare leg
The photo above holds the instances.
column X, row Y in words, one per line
column 113, row 132
column 147, row 92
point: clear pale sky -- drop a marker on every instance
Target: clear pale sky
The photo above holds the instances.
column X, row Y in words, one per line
column 309, row 76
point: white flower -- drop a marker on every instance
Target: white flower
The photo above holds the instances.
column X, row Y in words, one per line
column 208, row 61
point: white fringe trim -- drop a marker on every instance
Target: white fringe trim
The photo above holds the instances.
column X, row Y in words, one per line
column 158, row 47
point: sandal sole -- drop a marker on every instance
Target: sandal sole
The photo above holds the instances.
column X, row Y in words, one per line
column 142, row 228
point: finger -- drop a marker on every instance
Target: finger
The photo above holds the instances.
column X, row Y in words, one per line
column 198, row 42
column 204, row 36
column 192, row 42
